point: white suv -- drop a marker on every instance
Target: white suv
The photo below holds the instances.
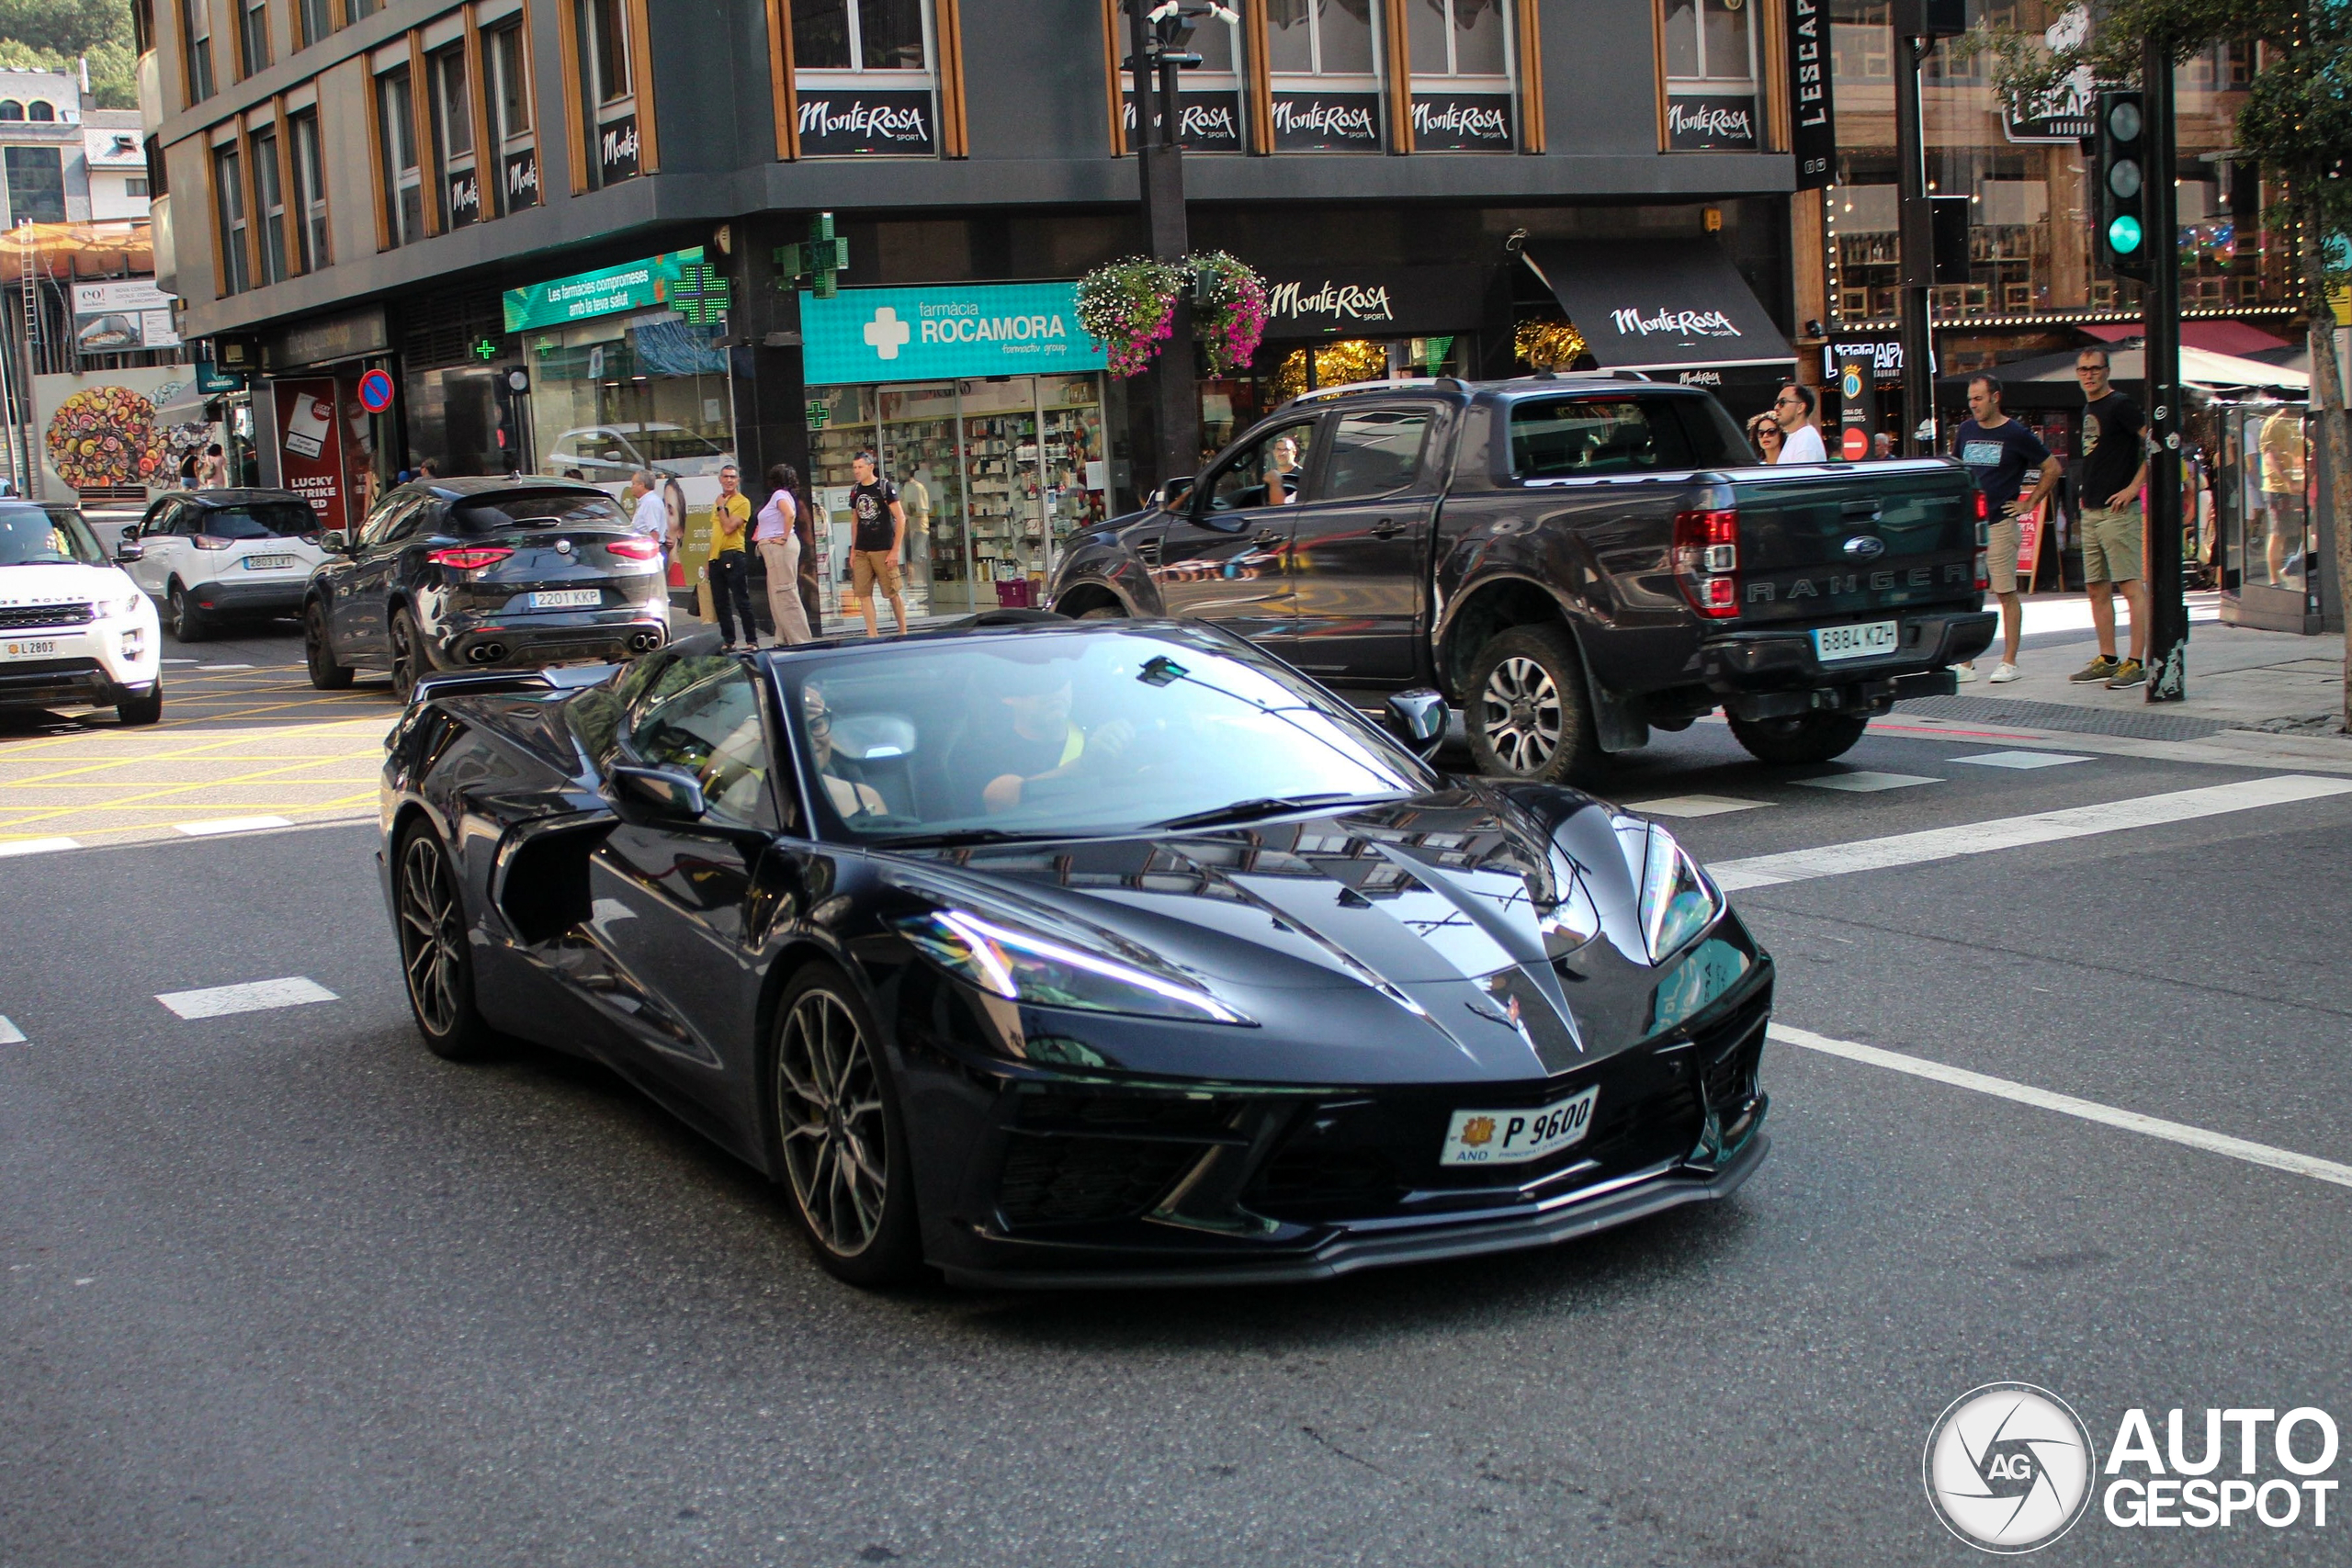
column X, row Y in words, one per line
column 73, row 628
column 211, row 555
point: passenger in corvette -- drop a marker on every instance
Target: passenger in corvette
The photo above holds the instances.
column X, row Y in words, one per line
column 852, row 796
column 1035, row 740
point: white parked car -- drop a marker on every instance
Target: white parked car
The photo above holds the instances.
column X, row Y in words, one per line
column 609, row 454
column 75, row 630
column 209, row 556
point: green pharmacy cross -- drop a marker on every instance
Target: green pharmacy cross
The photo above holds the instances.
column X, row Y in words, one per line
column 816, row 263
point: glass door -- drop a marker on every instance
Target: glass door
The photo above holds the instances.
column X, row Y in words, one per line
column 1005, row 485
column 1070, row 449
column 840, row 424
column 920, row 455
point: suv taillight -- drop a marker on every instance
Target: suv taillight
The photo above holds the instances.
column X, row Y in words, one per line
column 1706, row 560
column 632, row 550
column 211, row 542
column 465, row 558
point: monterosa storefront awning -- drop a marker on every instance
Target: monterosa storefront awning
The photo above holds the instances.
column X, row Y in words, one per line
column 1659, row 305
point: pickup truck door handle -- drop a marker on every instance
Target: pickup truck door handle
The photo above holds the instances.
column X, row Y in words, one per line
column 1861, row 509
column 1387, row 528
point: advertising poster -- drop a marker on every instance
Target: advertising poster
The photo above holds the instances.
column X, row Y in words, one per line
column 98, row 431
column 122, row 318
column 310, row 446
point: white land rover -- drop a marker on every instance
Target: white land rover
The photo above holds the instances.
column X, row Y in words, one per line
column 73, row 628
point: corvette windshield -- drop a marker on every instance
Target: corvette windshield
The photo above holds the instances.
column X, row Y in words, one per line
column 1075, row 733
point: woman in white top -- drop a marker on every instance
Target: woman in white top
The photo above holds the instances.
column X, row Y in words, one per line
column 778, row 539
column 1793, row 411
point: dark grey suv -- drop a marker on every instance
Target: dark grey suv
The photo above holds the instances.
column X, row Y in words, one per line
column 473, row 574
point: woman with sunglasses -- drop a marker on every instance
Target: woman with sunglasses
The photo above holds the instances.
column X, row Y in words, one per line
column 1764, row 434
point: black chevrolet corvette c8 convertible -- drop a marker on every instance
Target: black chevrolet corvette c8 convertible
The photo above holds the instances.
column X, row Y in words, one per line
column 1093, row 952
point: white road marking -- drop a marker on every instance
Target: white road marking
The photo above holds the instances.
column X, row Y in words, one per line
column 180, row 660
column 257, row 996
column 38, row 846
column 10, row 1034
column 2066, row 1104
column 1695, row 806
column 2018, row 759
column 2010, row 832
column 224, row 667
column 232, row 825
column 1864, row 782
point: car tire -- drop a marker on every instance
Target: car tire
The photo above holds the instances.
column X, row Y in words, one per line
column 408, row 653
column 318, row 652
column 862, row 1228
column 1103, row 613
column 1526, row 709
column 437, row 954
column 187, row 621
column 1802, row 737
column 148, row 710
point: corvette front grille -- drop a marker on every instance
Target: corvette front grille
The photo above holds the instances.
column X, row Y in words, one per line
column 1066, row 1180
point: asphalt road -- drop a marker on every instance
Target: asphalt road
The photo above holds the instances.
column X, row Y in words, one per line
column 283, row 1288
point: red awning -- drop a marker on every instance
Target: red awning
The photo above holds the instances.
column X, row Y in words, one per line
column 2215, row 337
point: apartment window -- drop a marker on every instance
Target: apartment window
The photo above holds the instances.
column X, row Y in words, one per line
column 403, row 178
column 41, row 112
column 508, row 93
column 143, row 25
column 155, row 181
column 315, row 19
column 229, row 198
column 135, row 186
column 457, row 182
column 196, row 27
column 355, row 9
column 1324, row 59
column 269, row 206
column 11, row 109
column 1461, row 55
column 253, row 37
column 309, row 193
column 862, row 74
column 1711, row 100
column 36, row 185
column 609, row 90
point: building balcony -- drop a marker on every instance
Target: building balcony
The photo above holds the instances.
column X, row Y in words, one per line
column 150, row 91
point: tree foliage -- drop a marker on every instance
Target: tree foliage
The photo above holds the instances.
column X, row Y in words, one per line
column 57, row 35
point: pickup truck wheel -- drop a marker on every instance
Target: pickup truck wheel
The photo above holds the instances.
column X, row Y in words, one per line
column 1527, row 712
column 1806, row 738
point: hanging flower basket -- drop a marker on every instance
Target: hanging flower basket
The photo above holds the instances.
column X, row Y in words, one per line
column 1130, row 305
column 1231, row 318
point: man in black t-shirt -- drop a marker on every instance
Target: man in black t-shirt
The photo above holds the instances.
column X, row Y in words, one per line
column 1997, row 451
column 2113, row 471
column 880, row 526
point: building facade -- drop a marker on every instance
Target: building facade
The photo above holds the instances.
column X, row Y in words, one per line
column 555, row 226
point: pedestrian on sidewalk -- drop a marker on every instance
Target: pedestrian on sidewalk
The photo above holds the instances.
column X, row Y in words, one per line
column 1997, row 451
column 1764, row 434
column 2114, row 470
column 880, row 529
column 778, row 539
column 1793, row 411
column 212, row 473
column 647, row 515
column 731, row 569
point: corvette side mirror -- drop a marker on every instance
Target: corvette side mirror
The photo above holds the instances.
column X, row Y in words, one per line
column 661, row 791
column 1418, row 719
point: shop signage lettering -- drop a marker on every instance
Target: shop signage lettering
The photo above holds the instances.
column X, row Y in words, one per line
column 863, row 335
column 1445, row 123
column 1702, row 123
column 871, row 122
column 1813, row 125
column 1886, row 358
column 1205, row 122
column 617, row 150
column 522, row 178
column 638, row 285
column 465, row 199
column 1342, row 302
column 1701, row 378
column 2064, row 114
column 1679, row 323
column 1306, row 122
column 352, row 336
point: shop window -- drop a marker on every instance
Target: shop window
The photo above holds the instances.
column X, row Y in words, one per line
column 253, row 37
column 1711, row 100
column 270, row 206
column 196, row 28
column 314, row 19
column 863, row 77
column 609, row 90
column 229, row 202
column 403, row 178
column 1460, row 53
column 36, row 185
column 310, row 192
column 508, row 93
column 458, row 185
column 1323, row 57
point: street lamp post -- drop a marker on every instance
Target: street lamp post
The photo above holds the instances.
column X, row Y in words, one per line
column 1157, row 34
column 2167, row 632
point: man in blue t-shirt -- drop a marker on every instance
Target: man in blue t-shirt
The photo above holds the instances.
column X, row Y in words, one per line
column 1997, row 451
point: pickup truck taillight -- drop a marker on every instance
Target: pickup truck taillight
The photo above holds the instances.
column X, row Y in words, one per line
column 1706, row 560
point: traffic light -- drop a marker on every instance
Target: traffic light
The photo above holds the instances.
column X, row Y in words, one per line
column 2122, row 213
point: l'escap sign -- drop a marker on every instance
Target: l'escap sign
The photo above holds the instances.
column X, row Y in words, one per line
column 950, row 331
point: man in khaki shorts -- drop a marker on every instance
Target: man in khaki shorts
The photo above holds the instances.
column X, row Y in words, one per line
column 1999, row 452
column 2114, row 470
column 878, row 529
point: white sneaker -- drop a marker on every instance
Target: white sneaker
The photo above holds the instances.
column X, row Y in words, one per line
column 2005, row 672
column 1963, row 673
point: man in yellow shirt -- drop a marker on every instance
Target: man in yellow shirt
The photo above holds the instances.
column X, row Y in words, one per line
column 730, row 568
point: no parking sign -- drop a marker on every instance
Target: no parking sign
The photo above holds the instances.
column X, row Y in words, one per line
column 375, row 391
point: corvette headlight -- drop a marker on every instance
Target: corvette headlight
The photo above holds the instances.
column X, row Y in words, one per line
column 1678, row 900
column 1026, row 966
column 1573, row 920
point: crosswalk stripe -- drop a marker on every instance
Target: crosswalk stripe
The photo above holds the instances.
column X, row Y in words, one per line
column 38, row 846
column 10, row 1034
column 2018, row 759
column 1695, row 806
column 2067, row 1104
column 232, row 825
column 254, row 995
column 1865, row 782
column 2011, row 832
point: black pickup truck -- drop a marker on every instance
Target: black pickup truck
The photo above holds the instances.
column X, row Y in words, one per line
column 1573, row 560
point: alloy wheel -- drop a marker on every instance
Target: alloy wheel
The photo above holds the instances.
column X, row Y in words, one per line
column 403, row 658
column 1520, row 712
column 836, row 1141
column 433, row 935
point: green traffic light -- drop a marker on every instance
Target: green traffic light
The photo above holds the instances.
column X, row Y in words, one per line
column 2123, row 235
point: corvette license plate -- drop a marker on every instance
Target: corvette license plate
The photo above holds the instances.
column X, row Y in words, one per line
column 268, row 563
column 566, row 599
column 28, row 650
column 1833, row 643
column 1513, row 1137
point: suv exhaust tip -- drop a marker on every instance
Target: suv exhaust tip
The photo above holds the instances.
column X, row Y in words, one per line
column 486, row 653
column 644, row 642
